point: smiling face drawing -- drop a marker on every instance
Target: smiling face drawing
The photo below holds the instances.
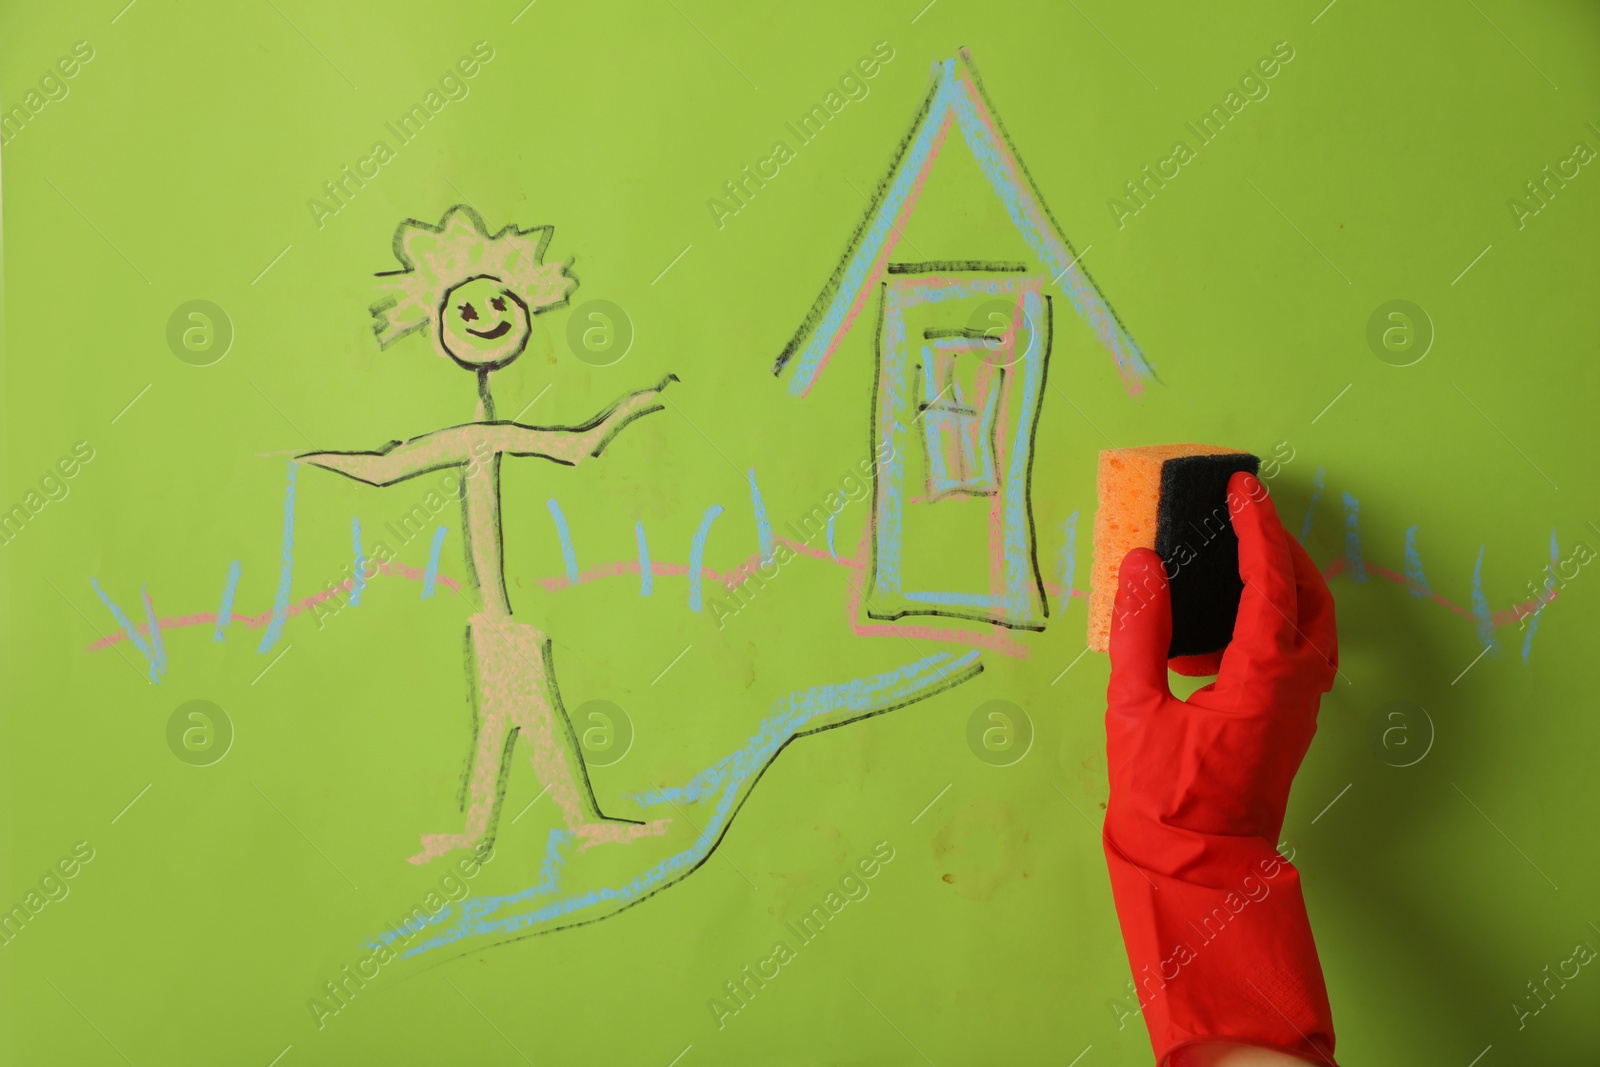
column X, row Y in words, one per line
column 483, row 324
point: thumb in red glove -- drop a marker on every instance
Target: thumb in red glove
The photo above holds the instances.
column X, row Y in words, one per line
column 1212, row 916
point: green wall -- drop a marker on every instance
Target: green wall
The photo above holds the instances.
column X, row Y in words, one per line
column 1387, row 161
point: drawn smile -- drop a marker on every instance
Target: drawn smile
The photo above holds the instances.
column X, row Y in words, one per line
column 489, row 335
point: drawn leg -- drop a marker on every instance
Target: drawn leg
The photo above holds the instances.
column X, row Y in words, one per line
column 516, row 675
column 485, row 785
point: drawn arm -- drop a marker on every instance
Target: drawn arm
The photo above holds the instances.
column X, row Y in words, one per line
column 397, row 460
column 571, row 445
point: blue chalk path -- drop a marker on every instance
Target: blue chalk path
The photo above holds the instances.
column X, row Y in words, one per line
column 724, row 783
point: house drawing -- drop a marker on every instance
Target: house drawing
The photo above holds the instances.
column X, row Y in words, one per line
column 962, row 353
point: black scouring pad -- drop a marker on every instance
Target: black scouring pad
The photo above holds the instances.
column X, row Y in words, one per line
column 1196, row 541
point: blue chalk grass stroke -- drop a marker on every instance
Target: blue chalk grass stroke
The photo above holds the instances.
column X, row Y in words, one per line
column 569, row 554
column 431, row 574
column 1533, row 622
column 763, row 526
column 1480, row 607
column 697, row 555
column 358, row 581
column 230, row 585
column 280, row 602
column 647, row 578
column 1318, row 483
column 145, row 649
column 1416, row 582
column 1352, row 539
column 1069, row 557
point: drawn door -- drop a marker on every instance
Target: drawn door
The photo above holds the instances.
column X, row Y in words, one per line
column 960, row 380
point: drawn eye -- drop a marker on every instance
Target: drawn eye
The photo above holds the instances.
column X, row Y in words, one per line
column 468, row 313
column 498, row 303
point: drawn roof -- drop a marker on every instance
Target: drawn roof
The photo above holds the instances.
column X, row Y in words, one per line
column 957, row 97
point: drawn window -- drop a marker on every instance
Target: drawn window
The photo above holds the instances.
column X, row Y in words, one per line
column 960, row 396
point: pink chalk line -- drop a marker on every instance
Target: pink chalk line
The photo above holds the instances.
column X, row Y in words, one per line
column 995, row 639
column 1503, row 617
column 209, row 618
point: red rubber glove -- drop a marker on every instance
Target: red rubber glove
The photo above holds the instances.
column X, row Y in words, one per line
column 1212, row 916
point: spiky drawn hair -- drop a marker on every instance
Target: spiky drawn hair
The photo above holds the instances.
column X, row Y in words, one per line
column 435, row 259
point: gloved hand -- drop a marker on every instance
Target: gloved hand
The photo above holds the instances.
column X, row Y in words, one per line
column 1212, row 916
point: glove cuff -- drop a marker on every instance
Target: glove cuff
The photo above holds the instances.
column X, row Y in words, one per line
column 1224, row 951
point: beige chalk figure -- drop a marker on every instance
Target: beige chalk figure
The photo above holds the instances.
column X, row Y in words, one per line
column 476, row 294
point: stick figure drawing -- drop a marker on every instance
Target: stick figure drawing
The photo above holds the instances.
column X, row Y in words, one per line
column 475, row 293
